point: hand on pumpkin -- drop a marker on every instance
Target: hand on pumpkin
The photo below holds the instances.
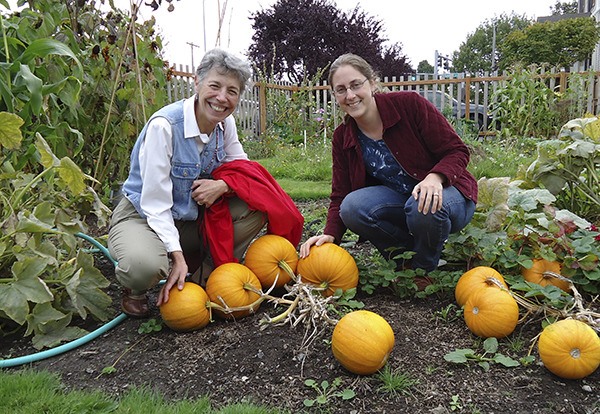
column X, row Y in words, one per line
column 429, row 193
column 179, row 270
column 206, row 191
column 317, row 241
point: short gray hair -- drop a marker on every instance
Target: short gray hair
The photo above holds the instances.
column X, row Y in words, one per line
column 226, row 64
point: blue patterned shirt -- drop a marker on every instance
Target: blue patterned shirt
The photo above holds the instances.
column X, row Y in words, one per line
column 381, row 164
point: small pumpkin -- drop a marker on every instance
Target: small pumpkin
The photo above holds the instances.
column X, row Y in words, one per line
column 330, row 267
column 569, row 349
column 362, row 342
column 273, row 259
column 477, row 278
column 491, row 313
column 230, row 284
column 186, row 309
column 536, row 274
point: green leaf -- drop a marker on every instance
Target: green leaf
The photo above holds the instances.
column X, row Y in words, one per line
column 84, row 289
column 348, row 394
column 72, row 175
column 31, row 224
column 48, row 159
column 490, row 345
column 41, row 48
column 484, row 365
column 33, row 84
column 56, row 336
column 459, row 356
column 13, row 303
column 506, row 361
column 42, row 314
column 10, row 130
column 308, row 403
column 26, row 287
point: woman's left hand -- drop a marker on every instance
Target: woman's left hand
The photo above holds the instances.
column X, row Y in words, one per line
column 206, row 191
column 429, row 193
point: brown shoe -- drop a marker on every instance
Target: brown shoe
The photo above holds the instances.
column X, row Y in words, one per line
column 422, row 282
column 134, row 305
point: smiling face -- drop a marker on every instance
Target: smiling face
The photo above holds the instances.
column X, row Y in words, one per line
column 353, row 91
column 218, row 95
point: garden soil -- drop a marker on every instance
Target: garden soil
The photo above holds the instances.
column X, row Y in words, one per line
column 244, row 361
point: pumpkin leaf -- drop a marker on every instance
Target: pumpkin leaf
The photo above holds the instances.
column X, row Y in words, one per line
column 484, row 365
column 84, row 289
column 10, row 132
column 505, row 361
column 72, row 175
column 490, row 345
column 459, row 356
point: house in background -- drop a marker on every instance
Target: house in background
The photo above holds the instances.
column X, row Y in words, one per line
column 585, row 8
column 592, row 8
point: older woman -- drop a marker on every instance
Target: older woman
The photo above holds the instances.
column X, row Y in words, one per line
column 155, row 231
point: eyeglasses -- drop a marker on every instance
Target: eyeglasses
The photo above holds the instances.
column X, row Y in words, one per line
column 354, row 87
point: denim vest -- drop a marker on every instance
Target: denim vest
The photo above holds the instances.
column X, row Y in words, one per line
column 187, row 164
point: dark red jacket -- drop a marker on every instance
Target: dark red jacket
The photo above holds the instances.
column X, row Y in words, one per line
column 252, row 183
column 420, row 138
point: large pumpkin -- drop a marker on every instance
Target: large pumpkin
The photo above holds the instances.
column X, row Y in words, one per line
column 569, row 349
column 330, row 267
column 362, row 342
column 535, row 274
column 491, row 313
column 186, row 309
column 272, row 258
column 230, row 284
column 477, row 278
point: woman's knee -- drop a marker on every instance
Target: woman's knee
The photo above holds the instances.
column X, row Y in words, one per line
column 141, row 271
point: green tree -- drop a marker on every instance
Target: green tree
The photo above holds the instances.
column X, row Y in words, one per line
column 560, row 43
column 300, row 38
column 477, row 55
column 424, row 67
column 564, row 8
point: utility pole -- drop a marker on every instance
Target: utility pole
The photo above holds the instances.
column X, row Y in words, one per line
column 192, row 46
column 435, row 64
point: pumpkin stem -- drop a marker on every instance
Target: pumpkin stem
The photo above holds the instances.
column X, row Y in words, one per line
column 286, row 267
column 283, row 315
column 547, row 274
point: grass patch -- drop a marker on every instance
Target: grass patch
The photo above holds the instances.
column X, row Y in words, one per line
column 305, row 190
column 28, row 391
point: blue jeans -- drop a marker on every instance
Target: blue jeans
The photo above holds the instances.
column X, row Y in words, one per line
column 390, row 220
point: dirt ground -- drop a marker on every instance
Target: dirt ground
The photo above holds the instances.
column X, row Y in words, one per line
column 235, row 361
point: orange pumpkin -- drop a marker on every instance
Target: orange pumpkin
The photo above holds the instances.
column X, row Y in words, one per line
column 362, row 342
column 477, row 278
column 535, row 274
column 186, row 309
column 272, row 258
column 491, row 313
column 569, row 349
column 230, row 285
column 330, row 267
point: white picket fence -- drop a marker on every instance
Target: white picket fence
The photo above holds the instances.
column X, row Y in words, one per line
column 472, row 94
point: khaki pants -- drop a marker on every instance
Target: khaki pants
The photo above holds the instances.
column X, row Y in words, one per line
column 142, row 257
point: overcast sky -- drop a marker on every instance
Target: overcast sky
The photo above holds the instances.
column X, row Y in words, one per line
column 422, row 27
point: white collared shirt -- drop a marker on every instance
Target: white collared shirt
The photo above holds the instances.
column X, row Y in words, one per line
column 156, row 152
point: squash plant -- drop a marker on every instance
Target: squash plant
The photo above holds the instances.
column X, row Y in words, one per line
column 513, row 225
column 74, row 73
column 47, row 276
column 568, row 167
